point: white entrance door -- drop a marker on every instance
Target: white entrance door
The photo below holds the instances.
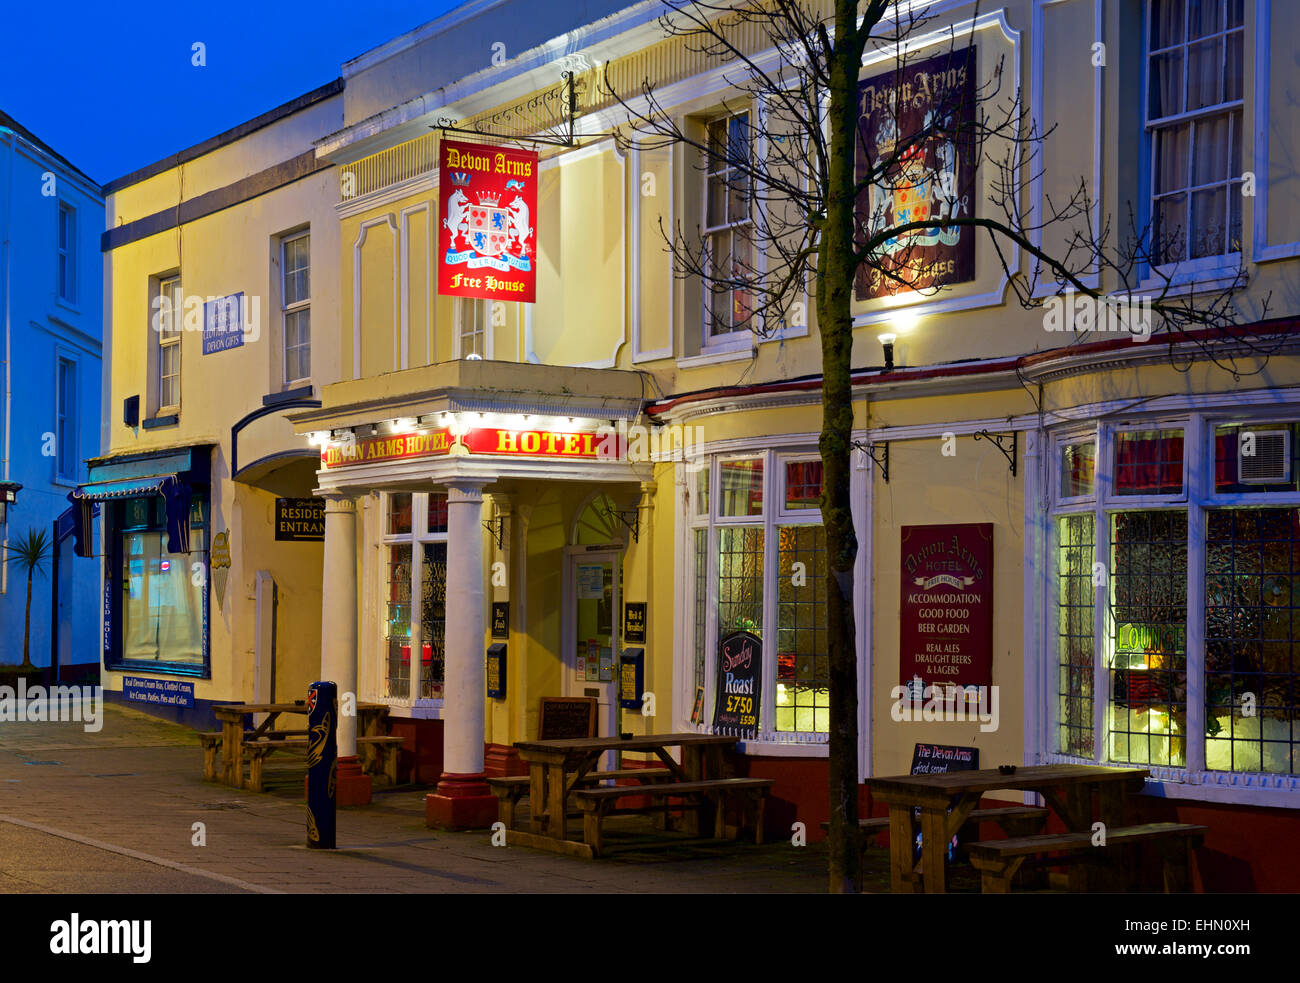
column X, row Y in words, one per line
column 591, row 628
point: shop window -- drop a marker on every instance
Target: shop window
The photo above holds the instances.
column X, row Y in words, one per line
column 803, row 485
column 1146, row 721
column 802, row 659
column 399, row 514
column 741, row 490
column 437, row 521
column 1078, row 468
column 433, row 621
column 1076, row 606
column 701, row 564
column 160, row 617
column 414, row 640
column 399, row 619
column 1252, row 458
column 1252, row 677
column 780, row 598
column 1194, row 127
column 1149, row 462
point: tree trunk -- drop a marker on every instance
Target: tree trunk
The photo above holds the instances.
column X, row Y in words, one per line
column 835, row 324
column 27, row 624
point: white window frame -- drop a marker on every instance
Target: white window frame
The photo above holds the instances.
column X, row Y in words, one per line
column 417, row 539
column 66, row 430
column 769, row 741
column 66, row 270
column 1191, row 268
column 302, row 304
column 741, row 337
column 1191, row 780
column 165, row 340
column 462, row 306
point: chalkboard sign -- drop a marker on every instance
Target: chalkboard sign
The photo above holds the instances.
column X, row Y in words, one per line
column 567, row 718
column 939, row 759
column 740, row 668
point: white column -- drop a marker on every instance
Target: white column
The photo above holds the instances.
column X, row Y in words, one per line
column 464, row 679
column 338, row 635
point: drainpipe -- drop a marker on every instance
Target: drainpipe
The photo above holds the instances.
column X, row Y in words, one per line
column 9, row 204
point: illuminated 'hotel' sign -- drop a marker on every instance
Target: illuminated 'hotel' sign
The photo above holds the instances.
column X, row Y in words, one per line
column 494, row 441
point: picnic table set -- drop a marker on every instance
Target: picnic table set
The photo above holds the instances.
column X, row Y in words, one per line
column 565, row 781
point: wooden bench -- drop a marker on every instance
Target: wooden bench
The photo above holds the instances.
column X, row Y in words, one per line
column 379, row 753
column 998, row 860
column 376, row 753
column 1012, row 820
column 510, row 789
column 211, row 743
column 596, row 802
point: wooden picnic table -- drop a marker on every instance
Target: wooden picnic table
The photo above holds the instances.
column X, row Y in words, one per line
column 231, row 715
column 555, row 767
column 945, row 801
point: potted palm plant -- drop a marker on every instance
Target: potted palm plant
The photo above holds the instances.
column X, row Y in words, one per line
column 30, row 552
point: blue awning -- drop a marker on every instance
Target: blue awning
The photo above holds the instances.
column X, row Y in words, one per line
column 99, row 491
column 174, row 489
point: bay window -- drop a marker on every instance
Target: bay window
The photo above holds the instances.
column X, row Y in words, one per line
column 757, row 562
column 1176, row 566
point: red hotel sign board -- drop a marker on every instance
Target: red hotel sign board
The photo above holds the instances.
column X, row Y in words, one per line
column 608, row 446
column 487, row 197
column 946, row 605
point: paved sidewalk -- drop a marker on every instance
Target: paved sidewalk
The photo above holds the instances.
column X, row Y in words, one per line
column 115, row 811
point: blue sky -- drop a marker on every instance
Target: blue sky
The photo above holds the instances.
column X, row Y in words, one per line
column 112, row 88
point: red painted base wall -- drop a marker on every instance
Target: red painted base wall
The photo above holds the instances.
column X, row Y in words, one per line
column 1248, row 849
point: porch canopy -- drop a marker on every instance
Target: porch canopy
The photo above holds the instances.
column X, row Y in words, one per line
column 462, row 425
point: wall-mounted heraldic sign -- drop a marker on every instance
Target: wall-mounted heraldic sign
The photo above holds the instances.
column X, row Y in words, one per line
column 487, row 244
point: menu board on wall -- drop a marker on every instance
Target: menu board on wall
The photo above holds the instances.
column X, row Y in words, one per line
column 740, row 672
column 945, row 633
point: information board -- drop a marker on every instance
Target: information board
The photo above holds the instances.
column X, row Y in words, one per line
column 567, row 718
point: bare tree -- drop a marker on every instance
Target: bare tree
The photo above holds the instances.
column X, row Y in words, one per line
column 820, row 178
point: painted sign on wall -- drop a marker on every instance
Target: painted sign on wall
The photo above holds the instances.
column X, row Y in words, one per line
column 158, row 692
column 223, row 323
column 918, row 180
column 487, row 243
column 945, row 632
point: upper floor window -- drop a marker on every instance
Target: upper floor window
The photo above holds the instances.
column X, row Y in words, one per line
column 67, row 273
column 167, row 332
column 472, row 328
column 1194, row 125
column 66, row 455
column 295, row 302
column 729, row 253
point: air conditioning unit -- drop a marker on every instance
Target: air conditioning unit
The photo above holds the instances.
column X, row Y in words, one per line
column 1270, row 464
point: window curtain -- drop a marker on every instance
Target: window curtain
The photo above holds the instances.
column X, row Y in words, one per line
column 1149, row 464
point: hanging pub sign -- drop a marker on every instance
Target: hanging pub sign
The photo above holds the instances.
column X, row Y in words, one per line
column 487, row 197
column 300, row 520
column 945, row 635
column 916, row 180
column 740, row 667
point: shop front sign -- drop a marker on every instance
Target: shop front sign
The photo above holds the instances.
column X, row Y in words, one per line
column 492, row 441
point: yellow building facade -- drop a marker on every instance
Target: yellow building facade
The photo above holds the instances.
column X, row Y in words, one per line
column 454, row 441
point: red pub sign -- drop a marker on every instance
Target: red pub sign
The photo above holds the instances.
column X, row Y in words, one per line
column 487, row 197
column 945, row 635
